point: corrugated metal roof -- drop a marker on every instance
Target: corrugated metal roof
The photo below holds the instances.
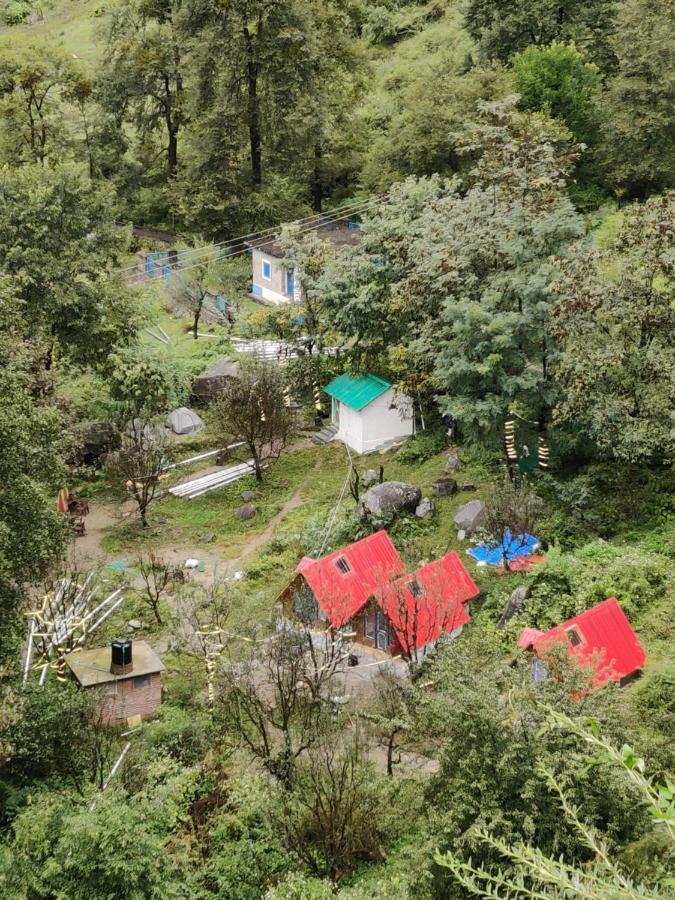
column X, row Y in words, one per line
column 442, row 587
column 357, row 391
column 373, row 563
column 609, row 645
column 375, row 570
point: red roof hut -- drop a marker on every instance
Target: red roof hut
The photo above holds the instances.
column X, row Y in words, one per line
column 364, row 587
column 600, row 638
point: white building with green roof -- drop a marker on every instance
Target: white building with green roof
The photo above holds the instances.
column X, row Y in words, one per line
column 368, row 412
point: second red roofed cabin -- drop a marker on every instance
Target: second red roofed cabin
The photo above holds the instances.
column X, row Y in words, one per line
column 364, row 589
column 600, row 638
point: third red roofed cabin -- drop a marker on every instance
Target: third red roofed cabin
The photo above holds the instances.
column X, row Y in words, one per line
column 364, row 588
column 601, row 638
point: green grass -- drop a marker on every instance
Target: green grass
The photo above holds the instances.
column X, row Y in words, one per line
column 70, row 24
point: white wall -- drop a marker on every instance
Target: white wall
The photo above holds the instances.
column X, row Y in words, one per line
column 377, row 424
column 381, row 423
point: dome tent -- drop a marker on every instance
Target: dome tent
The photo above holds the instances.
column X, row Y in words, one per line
column 184, row 421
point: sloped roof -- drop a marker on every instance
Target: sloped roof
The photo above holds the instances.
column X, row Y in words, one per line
column 373, row 563
column 376, row 571
column 443, row 587
column 609, row 645
column 92, row 667
column 357, row 391
column 338, row 235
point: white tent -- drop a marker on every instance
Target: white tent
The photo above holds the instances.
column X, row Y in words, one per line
column 184, row 421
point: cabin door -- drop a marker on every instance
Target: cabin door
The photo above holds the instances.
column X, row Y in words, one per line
column 382, row 638
column 289, row 283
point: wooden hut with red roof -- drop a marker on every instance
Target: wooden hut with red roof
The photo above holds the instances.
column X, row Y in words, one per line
column 601, row 639
column 363, row 588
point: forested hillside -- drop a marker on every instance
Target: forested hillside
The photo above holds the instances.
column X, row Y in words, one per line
column 337, row 444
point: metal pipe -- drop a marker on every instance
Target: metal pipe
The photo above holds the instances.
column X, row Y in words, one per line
column 29, row 651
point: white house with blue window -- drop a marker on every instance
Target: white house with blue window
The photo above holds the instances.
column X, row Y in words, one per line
column 272, row 282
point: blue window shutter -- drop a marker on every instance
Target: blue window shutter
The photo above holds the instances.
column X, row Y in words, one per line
column 267, row 269
column 289, row 283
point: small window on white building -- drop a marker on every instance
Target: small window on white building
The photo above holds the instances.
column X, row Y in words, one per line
column 267, row 270
column 574, row 636
column 342, row 565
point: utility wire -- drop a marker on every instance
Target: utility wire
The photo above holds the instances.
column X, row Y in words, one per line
column 246, row 249
column 320, row 219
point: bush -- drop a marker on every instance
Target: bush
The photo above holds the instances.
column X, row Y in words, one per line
column 183, row 736
column 422, row 447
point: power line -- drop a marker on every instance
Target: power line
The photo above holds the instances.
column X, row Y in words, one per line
column 302, row 233
column 353, row 208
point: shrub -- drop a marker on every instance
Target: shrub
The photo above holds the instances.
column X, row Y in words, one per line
column 422, row 447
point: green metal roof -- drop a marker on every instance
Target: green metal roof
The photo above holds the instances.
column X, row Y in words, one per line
column 357, row 391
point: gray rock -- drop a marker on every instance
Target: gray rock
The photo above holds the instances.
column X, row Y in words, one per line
column 206, row 538
column 445, row 487
column 383, row 501
column 470, row 516
column 134, row 624
column 246, row 512
column 461, row 534
column 210, row 383
column 247, row 496
column 468, row 486
column 515, row 605
column 453, row 461
column 370, row 476
column 425, row 508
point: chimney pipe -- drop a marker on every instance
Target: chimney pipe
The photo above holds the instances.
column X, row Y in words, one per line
column 121, row 661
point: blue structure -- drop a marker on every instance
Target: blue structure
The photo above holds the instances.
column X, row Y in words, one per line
column 512, row 547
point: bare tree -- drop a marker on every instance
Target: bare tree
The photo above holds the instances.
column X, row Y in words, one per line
column 276, row 694
column 191, row 287
column 156, row 575
column 330, row 817
column 138, row 464
column 512, row 512
column 392, row 714
column 204, row 610
column 252, row 408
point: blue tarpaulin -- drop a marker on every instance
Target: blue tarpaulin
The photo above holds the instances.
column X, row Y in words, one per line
column 512, row 547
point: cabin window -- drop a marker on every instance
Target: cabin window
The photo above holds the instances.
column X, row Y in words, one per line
column 574, row 636
column 267, row 270
column 415, row 587
column 369, row 626
column 141, row 681
column 342, row 565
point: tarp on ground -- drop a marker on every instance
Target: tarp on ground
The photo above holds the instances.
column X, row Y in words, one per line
column 512, row 547
column 184, row 421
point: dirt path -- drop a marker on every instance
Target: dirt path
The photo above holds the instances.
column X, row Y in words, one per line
column 265, row 536
column 88, row 551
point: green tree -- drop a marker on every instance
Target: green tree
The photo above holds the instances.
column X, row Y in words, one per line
column 638, row 152
column 33, row 80
column 57, row 239
column 505, row 27
column 495, row 748
column 557, row 81
column 145, row 383
column 32, row 533
column 615, row 323
column 533, row 873
column 146, row 69
column 252, row 408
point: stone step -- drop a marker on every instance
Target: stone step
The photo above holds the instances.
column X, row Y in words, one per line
column 325, row 435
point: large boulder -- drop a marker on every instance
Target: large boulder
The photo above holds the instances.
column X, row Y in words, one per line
column 184, row 421
column 94, row 440
column 445, row 487
column 470, row 516
column 384, row 501
column 210, row 383
column 246, row 512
